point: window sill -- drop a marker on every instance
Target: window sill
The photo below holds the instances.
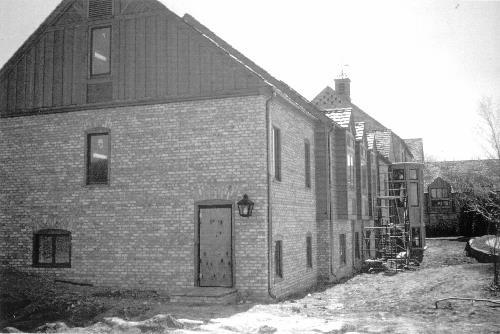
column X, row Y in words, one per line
column 96, row 185
column 62, row 265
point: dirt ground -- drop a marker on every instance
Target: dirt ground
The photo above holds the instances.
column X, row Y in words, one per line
column 367, row 303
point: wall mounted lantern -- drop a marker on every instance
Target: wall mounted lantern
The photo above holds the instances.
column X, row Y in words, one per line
column 245, row 206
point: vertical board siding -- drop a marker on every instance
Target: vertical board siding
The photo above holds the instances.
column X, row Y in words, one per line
column 120, row 78
column 80, row 65
column 20, row 85
column 140, row 54
column 228, row 74
column 48, row 74
column 11, row 91
column 217, row 78
column 206, row 69
column 57, row 93
column 151, row 57
column 68, row 66
column 30, row 77
column 3, row 96
column 162, row 55
column 194, row 64
column 241, row 79
column 183, row 61
column 39, row 65
column 171, row 57
column 115, row 60
column 130, row 59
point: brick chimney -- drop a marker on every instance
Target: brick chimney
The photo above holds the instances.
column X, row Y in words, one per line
column 343, row 88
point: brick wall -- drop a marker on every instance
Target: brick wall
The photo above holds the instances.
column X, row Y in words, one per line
column 339, row 269
column 340, row 181
column 323, row 199
column 294, row 205
column 138, row 232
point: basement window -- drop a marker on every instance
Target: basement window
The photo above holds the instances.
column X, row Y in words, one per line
column 52, row 248
column 101, row 51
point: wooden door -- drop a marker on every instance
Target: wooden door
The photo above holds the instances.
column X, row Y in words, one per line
column 215, row 253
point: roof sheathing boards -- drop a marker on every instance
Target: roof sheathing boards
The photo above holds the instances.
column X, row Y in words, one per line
column 370, row 137
column 360, row 130
column 340, row 116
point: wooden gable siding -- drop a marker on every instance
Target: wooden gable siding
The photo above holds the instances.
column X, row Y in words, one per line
column 154, row 56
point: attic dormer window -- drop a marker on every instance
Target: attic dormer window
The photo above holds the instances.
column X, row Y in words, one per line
column 100, row 9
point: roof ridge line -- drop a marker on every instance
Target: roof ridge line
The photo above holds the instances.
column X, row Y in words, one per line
column 236, row 55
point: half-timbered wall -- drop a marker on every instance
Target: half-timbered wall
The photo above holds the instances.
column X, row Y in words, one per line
column 155, row 55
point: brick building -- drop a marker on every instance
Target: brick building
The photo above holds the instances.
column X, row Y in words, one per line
column 371, row 150
column 129, row 134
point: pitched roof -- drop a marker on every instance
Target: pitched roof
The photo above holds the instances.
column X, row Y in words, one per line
column 360, row 130
column 340, row 116
column 370, row 122
column 372, row 143
column 416, row 146
column 282, row 88
column 384, row 142
column 60, row 9
column 329, row 100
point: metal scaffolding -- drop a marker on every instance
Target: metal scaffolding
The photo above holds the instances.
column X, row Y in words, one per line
column 392, row 232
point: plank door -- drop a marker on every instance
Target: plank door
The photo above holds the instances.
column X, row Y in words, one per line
column 215, row 261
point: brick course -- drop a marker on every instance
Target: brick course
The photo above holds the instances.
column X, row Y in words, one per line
column 293, row 204
column 137, row 232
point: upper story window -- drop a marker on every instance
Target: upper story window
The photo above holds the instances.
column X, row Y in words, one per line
column 101, row 51
column 350, row 170
column 342, row 249
column 309, row 257
column 440, row 197
column 52, row 248
column 276, row 136
column 307, row 163
column 413, row 174
column 98, row 156
column 364, row 174
column 414, row 194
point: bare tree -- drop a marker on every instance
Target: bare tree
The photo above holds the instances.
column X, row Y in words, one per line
column 477, row 184
column 490, row 118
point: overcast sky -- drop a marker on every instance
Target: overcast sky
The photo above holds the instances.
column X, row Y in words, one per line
column 419, row 67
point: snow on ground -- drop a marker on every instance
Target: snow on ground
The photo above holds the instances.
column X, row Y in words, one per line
column 367, row 303
column 493, row 242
